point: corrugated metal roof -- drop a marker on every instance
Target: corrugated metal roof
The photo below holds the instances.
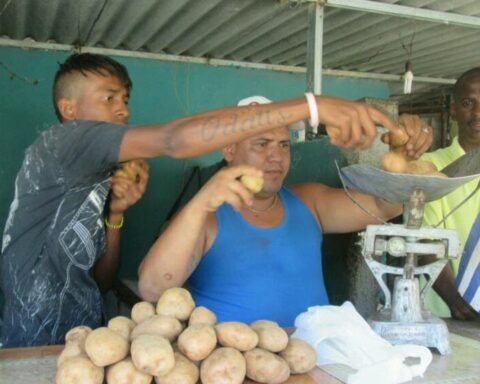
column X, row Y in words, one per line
column 255, row 31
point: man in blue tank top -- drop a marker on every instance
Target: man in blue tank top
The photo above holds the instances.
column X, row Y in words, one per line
column 248, row 257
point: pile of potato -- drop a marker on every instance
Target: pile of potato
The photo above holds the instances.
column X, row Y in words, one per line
column 397, row 160
column 178, row 343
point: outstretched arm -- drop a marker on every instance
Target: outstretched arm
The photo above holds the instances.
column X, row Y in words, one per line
column 203, row 133
column 176, row 253
column 337, row 213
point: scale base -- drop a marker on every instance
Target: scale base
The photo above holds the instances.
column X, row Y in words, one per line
column 431, row 333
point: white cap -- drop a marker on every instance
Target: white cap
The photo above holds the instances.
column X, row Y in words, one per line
column 255, row 100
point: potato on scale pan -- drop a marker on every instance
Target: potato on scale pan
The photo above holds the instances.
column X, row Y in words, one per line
column 397, row 162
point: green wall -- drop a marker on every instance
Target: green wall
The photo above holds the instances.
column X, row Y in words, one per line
column 162, row 91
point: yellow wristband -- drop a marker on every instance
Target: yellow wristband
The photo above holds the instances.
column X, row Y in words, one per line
column 114, row 226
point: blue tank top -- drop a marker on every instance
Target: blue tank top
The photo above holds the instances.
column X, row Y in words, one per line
column 253, row 273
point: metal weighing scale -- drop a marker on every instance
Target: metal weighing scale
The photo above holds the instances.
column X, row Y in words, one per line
column 404, row 318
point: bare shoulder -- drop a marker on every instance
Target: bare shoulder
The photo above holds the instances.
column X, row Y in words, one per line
column 311, row 191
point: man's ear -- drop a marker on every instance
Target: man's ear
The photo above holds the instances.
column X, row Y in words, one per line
column 229, row 152
column 66, row 107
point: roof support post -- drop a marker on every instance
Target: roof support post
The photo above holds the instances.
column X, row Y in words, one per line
column 315, row 48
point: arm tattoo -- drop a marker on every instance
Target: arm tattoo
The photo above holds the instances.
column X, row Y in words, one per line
column 212, row 126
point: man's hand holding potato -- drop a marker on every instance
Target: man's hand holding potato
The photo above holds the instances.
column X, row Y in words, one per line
column 416, row 138
column 226, row 187
column 128, row 185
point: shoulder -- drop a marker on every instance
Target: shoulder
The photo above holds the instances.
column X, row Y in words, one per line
column 306, row 191
column 87, row 127
column 312, row 193
column 444, row 156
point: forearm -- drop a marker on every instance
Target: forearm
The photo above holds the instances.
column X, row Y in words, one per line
column 202, row 133
column 446, row 288
column 387, row 210
column 444, row 285
column 106, row 268
column 175, row 254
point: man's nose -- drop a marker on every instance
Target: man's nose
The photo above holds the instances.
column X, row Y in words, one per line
column 123, row 111
column 276, row 153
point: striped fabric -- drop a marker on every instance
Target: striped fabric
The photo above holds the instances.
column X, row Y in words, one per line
column 468, row 277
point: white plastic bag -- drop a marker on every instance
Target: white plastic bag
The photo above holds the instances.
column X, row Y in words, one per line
column 341, row 336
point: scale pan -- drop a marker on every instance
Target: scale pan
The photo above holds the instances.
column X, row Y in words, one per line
column 397, row 187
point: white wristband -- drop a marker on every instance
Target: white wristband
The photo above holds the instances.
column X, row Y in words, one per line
column 312, row 106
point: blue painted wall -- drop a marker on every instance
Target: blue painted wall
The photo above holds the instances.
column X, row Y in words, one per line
column 162, row 91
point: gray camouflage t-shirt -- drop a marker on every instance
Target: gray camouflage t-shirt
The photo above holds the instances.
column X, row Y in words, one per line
column 55, row 233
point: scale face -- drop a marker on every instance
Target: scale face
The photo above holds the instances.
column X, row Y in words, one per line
column 404, row 318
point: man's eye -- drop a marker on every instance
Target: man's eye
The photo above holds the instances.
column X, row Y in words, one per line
column 467, row 103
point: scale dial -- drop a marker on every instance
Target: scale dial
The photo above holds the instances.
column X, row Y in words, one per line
column 397, row 246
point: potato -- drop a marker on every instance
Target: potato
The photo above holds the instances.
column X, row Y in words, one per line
column 202, row 315
column 236, row 335
column 266, row 367
column 398, row 139
column 78, row 334
column 152, row 354
column 394, row 162
column 105, row 347
column 270, row 337
column 223, row 366
column 74, row 343
column 299, row 355
column 122, row 325
column 438, row 174
column 253, row 183
column 420, row 167
column 197, row 341
column 176, row 302
column 184, row 372
column 124, row 372
column 165, row 326
column 126, row 170
column 333, row 132
column 263, row 323
column 79, row 370
column 142, row 311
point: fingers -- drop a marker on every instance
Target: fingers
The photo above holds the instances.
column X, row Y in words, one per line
column 225, row 187
column 380, row 118
column 420, row 133
column 128, row 184
column 351, row 124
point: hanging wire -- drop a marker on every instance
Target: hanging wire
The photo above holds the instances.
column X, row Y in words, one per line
column 14, row 76
column 355, row 202
column 408, row 49
column 5, row 7
column 78, row 45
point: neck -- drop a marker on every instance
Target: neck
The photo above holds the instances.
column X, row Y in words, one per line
column 263, row 205
column 467, row 144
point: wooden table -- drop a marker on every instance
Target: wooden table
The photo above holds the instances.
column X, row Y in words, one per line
column 37, row 365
